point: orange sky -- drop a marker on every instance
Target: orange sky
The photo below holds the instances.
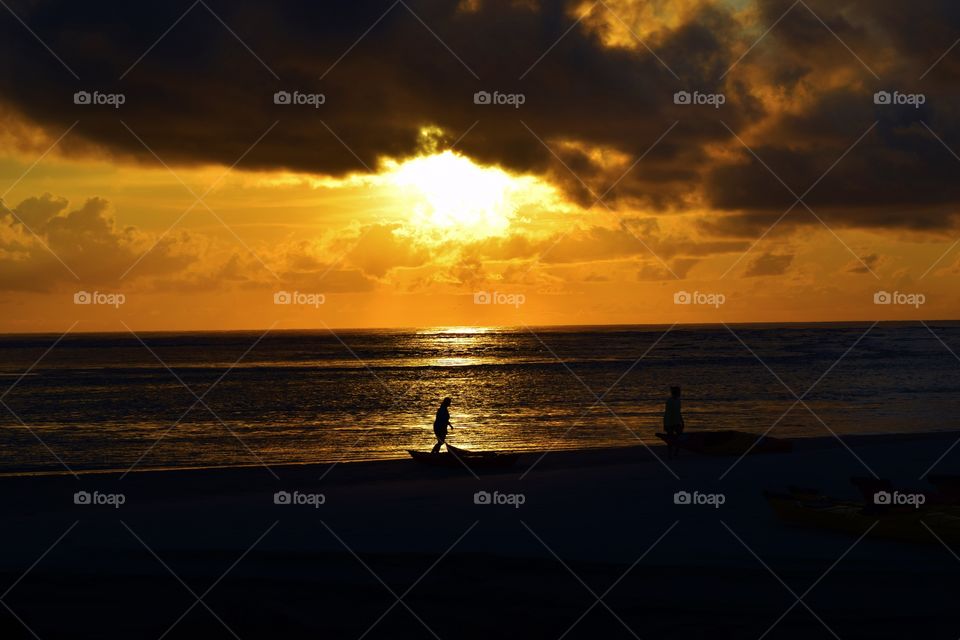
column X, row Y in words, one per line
column 463, row 227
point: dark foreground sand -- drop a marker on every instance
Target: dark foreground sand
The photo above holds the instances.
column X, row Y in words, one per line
column 591, row 526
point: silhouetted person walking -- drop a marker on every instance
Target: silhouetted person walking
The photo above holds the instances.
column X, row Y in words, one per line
column 673, row 422
column 441, row 423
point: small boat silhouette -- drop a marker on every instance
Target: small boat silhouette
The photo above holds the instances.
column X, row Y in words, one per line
column 456, row 457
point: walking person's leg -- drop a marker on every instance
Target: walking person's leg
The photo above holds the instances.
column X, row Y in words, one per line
column 441, row 440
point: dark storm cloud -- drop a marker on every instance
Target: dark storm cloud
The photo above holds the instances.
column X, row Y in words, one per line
column 897, row 175
column 200, row 96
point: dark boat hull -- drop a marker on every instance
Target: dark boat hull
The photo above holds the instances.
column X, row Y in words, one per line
column 460, row 457
column 905, row 525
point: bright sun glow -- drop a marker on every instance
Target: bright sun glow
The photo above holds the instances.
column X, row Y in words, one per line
column 450, row 191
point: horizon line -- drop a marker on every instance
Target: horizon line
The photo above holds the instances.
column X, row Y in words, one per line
column 268, row 330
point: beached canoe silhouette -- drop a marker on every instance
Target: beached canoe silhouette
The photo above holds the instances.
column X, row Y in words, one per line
column 907, row 523
column 727, row 443
column 456, row 457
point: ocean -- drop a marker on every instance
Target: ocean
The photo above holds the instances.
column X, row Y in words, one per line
column 110, row 401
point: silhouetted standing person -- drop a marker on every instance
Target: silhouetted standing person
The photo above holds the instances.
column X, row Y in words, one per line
column 673, row 422
column 441, row 423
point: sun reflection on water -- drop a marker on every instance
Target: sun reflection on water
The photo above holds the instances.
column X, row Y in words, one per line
column 455, row 330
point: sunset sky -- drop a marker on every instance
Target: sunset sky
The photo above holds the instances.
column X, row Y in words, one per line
column 595, row 200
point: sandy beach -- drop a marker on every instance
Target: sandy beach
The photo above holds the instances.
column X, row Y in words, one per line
column 559, row 532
